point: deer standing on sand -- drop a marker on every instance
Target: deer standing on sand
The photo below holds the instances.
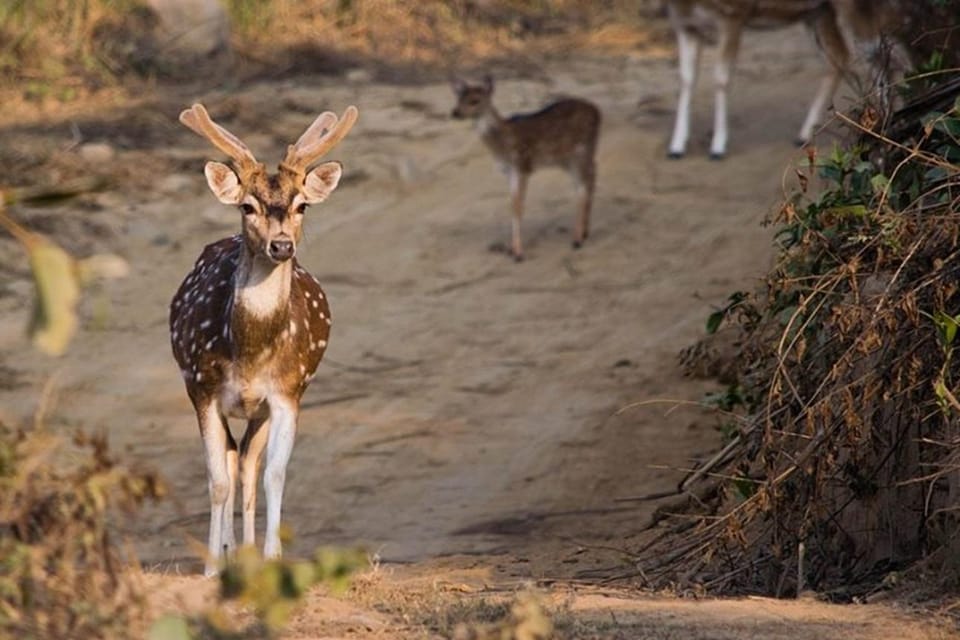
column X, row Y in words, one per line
column 563, row 134
column 249, row 326
column 836, row 23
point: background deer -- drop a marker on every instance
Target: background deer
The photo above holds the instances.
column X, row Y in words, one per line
column 249, row 325
column 836, row 23
column 563, row 134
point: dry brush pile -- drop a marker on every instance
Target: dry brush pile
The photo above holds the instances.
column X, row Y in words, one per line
column 841, row 461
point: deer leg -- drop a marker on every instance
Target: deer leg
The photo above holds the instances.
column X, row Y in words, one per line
column 834, row 45
column 726, row 57
column 251, row 454
column 228, row 540
column 213, row 429
column 585, row 183
column 518, row 190
column 283, row 428
column 688, row 51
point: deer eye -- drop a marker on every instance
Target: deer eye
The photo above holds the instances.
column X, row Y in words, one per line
column 247, row 209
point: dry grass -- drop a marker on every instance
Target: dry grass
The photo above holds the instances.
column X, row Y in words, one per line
column 63, row 575
column 62, row 50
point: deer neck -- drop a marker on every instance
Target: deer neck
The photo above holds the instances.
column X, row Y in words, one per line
column 261, row 304
column 489, row 123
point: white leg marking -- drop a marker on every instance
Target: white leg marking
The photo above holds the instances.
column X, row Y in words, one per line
column 689, row 58
column 283, row 429
column 229, row 540
column 828, row 87
column 727, row 56
column 218, row 479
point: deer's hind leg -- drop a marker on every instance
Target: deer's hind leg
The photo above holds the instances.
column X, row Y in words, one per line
column 251, row 455
column 518, row 191
column 834, row 45
column 585, row 179
column 726, row 60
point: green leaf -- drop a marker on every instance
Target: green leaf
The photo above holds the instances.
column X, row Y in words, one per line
column 850, row 211
column 170, row 627
column 946, row 327
column 58, row 290
column 949, row 126
column 880, row 183
column 714, row 320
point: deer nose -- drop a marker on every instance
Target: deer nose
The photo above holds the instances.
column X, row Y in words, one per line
column 281, row 250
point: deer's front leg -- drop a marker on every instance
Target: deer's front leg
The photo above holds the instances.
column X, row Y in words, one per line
column 219, row 447
column 688, row 52
column 283, row 430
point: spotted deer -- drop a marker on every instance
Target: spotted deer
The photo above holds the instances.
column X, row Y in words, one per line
column 563, row 134
column 249, row 325
column 837, row 24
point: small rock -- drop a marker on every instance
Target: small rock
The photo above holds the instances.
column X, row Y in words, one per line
column 96, row 152
column 178, row 183
column 358, row 76
column 191, row 29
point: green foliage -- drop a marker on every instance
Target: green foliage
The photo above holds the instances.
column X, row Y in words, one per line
column 271, row 588
column 249, row 15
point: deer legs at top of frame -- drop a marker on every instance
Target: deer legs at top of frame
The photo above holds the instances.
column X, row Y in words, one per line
column 689, row 48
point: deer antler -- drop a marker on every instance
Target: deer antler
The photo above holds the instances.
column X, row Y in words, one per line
column 198, row 120
column 321, row 136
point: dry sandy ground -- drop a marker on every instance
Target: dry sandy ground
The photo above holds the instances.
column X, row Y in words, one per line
column 464, row 424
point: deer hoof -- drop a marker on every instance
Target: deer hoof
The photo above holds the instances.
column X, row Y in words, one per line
column 717, row 155
column 674, row 155
column 577, row 244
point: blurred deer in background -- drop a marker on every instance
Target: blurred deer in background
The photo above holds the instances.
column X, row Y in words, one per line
column 837, row 24
column 249, row 325
column 563, row 134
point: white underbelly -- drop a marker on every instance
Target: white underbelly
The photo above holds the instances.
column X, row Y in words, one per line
column 244, row 398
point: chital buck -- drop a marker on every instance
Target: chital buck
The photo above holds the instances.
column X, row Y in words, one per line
column 563, row 134
column 837, row 24
column 249, row 325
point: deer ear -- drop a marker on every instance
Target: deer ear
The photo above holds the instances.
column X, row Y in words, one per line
column 321, row 181
column 223, row 182
column 488, row 83
column 458, row 85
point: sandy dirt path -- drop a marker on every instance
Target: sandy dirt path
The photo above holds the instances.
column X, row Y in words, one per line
column 465, row 417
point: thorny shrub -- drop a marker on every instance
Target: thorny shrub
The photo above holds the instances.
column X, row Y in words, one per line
column 842, row 468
